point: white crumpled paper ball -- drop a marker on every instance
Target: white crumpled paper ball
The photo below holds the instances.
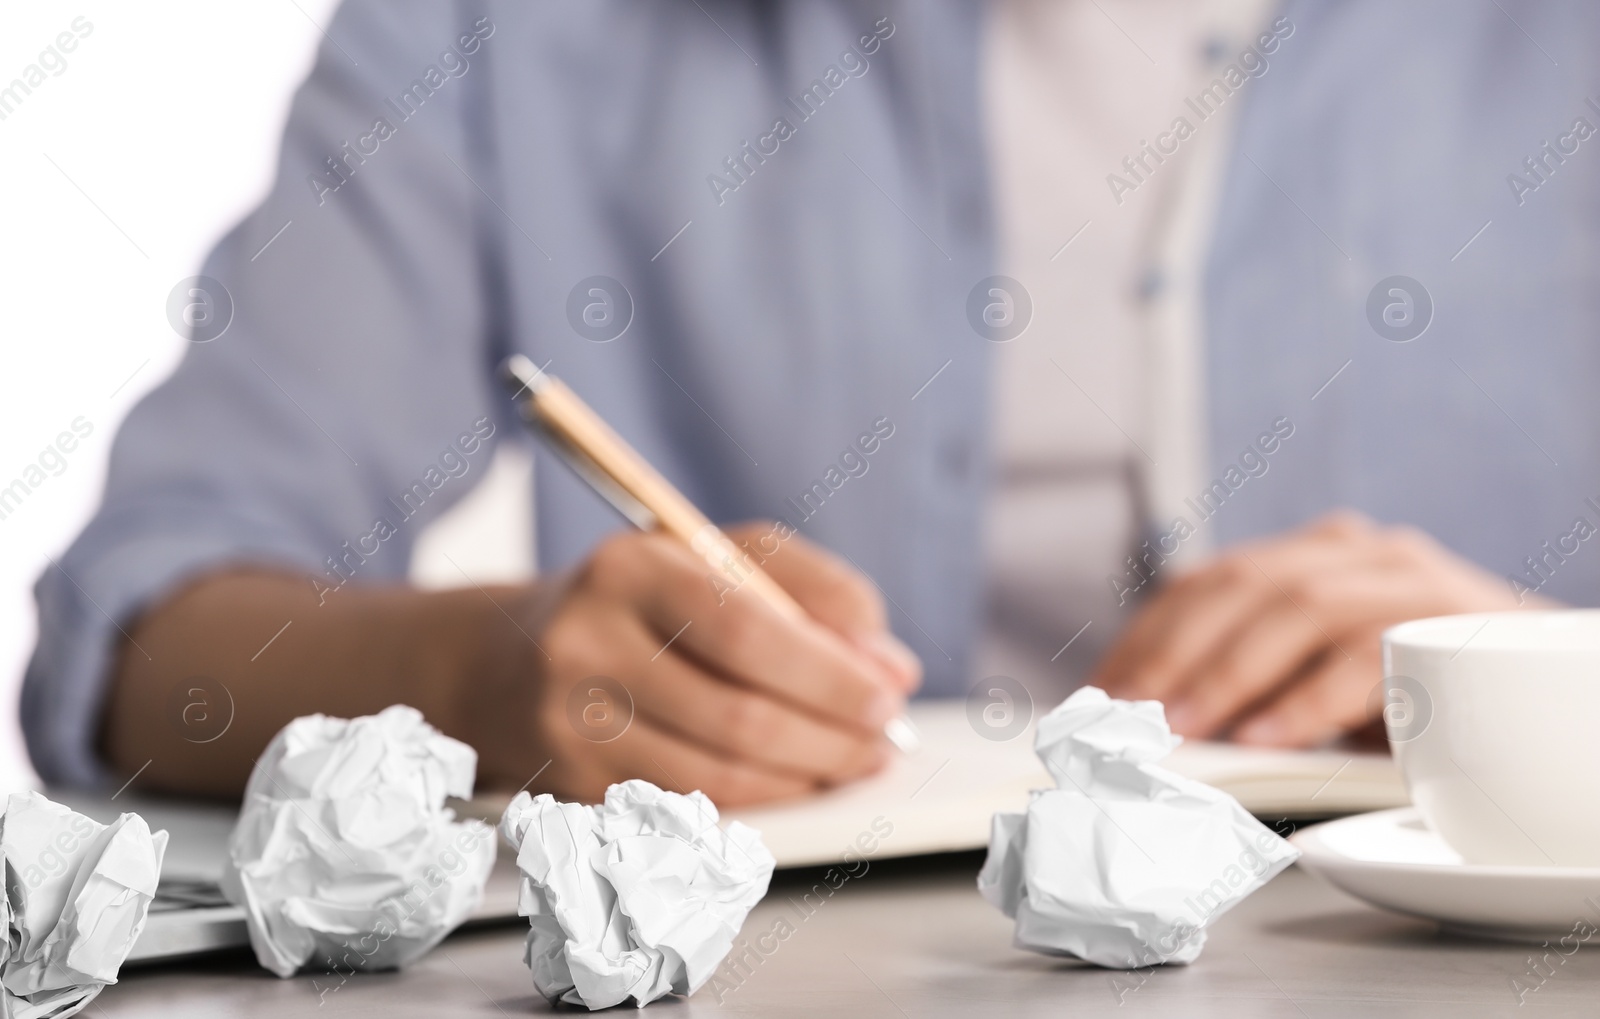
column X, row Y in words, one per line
column 344, row 857
column 638, row 897
column 75, row 897
column 1125, row 863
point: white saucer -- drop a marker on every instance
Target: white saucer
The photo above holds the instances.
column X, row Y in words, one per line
column 1391, row 859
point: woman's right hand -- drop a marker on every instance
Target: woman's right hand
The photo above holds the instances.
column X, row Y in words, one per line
column 637, row 665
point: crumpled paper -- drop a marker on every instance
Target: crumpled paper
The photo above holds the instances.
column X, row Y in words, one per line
column 75, row 897
column 635, row 898
column 344, row 856
column 1124, row 864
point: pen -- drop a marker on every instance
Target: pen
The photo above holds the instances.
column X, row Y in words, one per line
column 638, row 491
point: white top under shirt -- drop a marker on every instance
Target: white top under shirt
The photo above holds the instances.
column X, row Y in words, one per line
column 1098, row 412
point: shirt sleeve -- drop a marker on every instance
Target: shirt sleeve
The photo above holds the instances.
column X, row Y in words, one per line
column 351, row 387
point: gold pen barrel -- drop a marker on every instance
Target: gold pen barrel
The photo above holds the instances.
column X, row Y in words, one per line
column 626, row 480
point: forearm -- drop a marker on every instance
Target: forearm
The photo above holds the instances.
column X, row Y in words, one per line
column 459, row 657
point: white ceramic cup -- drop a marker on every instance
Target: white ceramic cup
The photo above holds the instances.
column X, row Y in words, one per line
column 1494, row 719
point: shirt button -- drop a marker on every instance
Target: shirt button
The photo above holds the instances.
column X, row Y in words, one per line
column 970, row 213
column 955, row 457
column 1152, row 284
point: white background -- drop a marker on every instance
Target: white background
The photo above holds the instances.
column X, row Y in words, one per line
column 167, row 121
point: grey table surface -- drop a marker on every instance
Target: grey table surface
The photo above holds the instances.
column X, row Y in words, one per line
column 913, row 939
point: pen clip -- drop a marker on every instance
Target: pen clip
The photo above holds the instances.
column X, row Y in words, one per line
column 585, row 468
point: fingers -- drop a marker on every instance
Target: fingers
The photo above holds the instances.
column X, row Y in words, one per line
column 1191, row 620
column 1273, row 644
column 1194, row 620
column 742, row 639
column 1179, row 630
column 675, row 695
column 1279, row 640
column 834, row 593
column 1330, row 700
column 831, row 591
column 1340, row 615
column 678, row 764
column 1342, row 523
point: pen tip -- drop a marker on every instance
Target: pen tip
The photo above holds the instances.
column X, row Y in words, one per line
column 903, row 735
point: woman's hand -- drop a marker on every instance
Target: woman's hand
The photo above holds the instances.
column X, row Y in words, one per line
column 706, row 689
column 1276, row 642
column 643, row 667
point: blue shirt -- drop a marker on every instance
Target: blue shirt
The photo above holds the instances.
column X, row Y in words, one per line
column 785, row 204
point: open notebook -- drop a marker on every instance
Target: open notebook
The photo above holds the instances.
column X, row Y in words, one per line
column 941, row 798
